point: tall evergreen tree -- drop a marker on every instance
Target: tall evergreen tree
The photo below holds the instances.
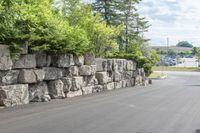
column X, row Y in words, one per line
column 107, row 9
column 134, row 24
column 116, row 12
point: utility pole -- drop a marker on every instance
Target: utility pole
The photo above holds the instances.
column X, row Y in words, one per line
column 167, row 44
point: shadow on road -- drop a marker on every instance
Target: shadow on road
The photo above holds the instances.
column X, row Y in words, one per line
column 197, row 131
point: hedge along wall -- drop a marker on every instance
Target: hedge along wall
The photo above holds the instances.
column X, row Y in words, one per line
column 41, row 77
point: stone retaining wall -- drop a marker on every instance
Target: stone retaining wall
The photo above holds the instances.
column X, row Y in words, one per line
column 40, row 77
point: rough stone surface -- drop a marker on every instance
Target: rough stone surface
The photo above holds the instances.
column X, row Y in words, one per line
column 52, row 73
column 89, row 59
column 9, row 77
column 5, row 59
column 135, row 73
column 124, row 82
column 14, row 95
column 79, row 60
column 98, row 88
column 87, row 70
column 117, row 76
column 101, row 64
column 39, row 92
column 40, row 74
column 128, row 75
column 130, row 82
column 103, row 77
column 90, row 80
column 138, row 80
column 63, row 61
column 25, row 61
column 109, row 65
column 56, row 89
column 118, row 85
column 87, row 90
column 109, row 86
column 31, row 76
column 73, row 71
column 43, row 60
column 67, row 82
column 60, row 76
column 129, row 65
column 74, row 94
column 145, row 82
column 27, row 77
column 77, row 83
column 133, row 82
column 118, row 65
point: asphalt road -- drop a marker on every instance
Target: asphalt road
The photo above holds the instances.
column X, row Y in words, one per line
column 168, row 106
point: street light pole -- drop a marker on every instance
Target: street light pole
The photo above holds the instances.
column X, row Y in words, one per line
column 167, row 44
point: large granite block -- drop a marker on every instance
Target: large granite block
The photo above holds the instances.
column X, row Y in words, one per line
column 5, row 59
column 103, row 78
column 87, row 70
column 14, row 95
column 43, row 60
column 39, row 92
column 101, row 64
column 52, row 73
column 77, row 83
column 74, row 94
column 25, row 61
column 9, row 77
column 63, row 61
column 56, row 89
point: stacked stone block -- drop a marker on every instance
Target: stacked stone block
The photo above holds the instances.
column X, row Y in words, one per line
column 115, row 73
column 41, row 77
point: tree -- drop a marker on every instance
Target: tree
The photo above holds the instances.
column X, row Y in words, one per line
column 107, row 9
column 101, row 37
column 194, row 50
column 184, row 44
column 172, row 53
column 135, row 25
column 39, row 24
column 7, row 4
column 198, row 56
column 66, row 6
column 123, row 12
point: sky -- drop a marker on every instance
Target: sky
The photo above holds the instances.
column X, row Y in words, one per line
column 178, row 20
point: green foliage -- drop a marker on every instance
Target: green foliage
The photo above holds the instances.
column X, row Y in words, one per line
column 194, row 50
column 197, row 54
column 123, row 12
column 171, row 53
column 184, row 44
column 37, row 23
column 132, row 44
column 101, row 37
column 69, row 26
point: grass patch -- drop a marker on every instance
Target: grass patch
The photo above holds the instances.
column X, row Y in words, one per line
column 186, row 69
column 156, row 75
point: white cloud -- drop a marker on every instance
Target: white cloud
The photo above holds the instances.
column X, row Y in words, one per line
column 178, row 20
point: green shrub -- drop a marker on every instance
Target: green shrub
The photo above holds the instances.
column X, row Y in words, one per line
column 45, row 30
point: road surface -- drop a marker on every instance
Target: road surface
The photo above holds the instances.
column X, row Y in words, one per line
column 168, row 106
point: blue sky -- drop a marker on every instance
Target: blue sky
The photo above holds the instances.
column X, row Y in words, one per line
column 176, row 19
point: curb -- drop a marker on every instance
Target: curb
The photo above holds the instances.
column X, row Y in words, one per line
column 161, row 78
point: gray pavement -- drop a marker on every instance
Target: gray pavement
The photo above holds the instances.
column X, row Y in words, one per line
column 168, row 106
